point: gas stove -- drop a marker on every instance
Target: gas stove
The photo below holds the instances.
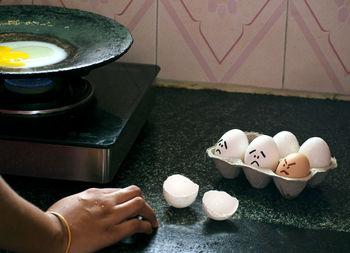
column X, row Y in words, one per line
column 71, row 127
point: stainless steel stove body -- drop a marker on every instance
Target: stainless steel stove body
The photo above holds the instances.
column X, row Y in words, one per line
column 88, row 144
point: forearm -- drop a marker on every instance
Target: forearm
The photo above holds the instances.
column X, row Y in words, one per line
column 25, row 228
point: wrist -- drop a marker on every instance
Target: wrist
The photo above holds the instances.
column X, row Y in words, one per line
column 59, row 234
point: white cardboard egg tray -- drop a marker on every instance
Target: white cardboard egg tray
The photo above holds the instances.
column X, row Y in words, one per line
column 260, row 177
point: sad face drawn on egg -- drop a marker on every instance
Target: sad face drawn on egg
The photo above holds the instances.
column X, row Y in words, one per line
column 255, row 154
column 232, row 144
column 262, row 152
column 221, row 144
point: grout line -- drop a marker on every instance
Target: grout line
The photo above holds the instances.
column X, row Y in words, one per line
column 157, row 28
column 285, row 46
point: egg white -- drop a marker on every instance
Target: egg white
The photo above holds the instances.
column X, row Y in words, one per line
column 40, row 53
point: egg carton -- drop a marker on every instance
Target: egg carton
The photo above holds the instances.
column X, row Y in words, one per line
column 259, row 178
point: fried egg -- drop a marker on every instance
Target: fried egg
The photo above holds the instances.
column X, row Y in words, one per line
column 30, row 54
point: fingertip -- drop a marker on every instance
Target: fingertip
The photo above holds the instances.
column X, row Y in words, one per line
column 155, row 224
column 145, row 227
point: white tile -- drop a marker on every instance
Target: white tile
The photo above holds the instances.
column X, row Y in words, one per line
column 14, row 2
column 238, row 42
column 317, row 55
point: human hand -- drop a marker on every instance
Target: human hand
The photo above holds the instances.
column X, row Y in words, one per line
column 101, row 217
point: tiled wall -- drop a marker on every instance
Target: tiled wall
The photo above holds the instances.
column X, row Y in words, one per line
column 280, row 44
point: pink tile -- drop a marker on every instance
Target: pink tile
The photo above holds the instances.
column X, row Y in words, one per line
column 139, row 16
column 48, row 2
column 10, row 2
column 317, row 54
column 240, row 42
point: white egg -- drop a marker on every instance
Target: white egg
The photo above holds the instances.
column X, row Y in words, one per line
column 179, row 191
column 317, row 151
column 287, row 143
column 232, row 144
column 219, row 205
column 40, row 53
column 262, row 152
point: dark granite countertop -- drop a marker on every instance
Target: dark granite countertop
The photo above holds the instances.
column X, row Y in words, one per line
column 181, row 126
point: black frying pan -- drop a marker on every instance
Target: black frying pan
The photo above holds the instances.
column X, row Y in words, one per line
column 89, row 39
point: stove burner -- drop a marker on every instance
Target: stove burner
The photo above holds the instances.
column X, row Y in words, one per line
column 29, row 86
column 43, row 96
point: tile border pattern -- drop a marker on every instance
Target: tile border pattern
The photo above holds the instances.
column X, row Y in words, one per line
column 251, row 45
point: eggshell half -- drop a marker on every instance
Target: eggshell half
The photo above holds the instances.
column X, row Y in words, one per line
column 219, row 205
column 179, row 191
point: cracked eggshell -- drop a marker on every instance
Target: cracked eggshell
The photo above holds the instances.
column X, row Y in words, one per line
column 232, row 144
column 317, row 151
column 219, row 205
column 179, row 191
column 287, row 143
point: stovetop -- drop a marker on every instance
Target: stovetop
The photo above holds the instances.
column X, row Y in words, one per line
column 119, row 89
column 86, row 144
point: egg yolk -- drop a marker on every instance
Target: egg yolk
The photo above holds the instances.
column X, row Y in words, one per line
column 9, row 58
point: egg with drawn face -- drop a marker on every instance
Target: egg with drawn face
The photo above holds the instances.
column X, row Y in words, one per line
column 262, row 152
column 295, row 165
column 30, row 54
column 232, row 144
